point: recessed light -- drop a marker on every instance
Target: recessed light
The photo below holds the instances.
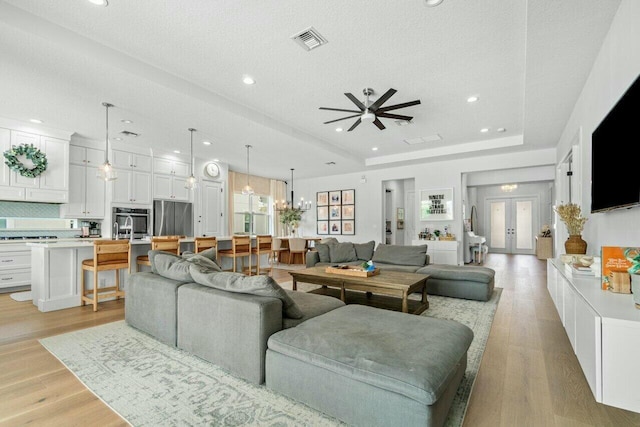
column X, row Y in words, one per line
column 176, row 151
column 118, row 139
column 339, row 129
column 216, row 160
column 248, row 80
column 472, row 99
column 484, row 130
column 35, row 121
column 99, row 2
column 374, row 149
column 432, row 3
column 501, row 130
column 126, row 121
column 206, row 142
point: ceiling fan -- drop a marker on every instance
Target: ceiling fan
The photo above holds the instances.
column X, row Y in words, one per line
column 372, row 111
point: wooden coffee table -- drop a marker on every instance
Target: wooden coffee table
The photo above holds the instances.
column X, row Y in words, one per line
column 392, row 283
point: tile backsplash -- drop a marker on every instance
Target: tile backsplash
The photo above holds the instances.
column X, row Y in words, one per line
column 31, row 210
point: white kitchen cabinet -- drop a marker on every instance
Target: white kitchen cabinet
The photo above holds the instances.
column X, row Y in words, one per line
column 15, row 265
column 126, row 160
column 170, row 167
column 50, row 186
column 132, row 187
column 170, row 187
column 86, row 192
column 440, row 251
column 85, row 156
column 604, row 330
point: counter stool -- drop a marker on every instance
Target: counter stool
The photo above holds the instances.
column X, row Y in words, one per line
column 160, row 243
column 203, row 243
column 263, row 246
column 107, row 255
column 240, row 247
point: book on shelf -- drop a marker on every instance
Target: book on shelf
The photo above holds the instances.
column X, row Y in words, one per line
column 579, row 269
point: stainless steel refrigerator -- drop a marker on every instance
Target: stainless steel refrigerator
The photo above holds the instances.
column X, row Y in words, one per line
column 172, row 218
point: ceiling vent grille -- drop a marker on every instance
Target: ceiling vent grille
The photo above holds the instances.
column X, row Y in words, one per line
column 309, row 39
column 423, row 139
column 129, row 133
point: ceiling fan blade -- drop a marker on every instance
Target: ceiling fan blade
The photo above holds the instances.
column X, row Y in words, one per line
column 353, row 126
column 353, row 99
column 388, row 94
column 394, row 116
column 378, row 123
column 344, row 118
column 340, row 109
column 395, row 107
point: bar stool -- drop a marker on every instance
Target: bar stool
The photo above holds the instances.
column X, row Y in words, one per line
column 160, row 243
column 263, row 246
column 277, row 249
column 203, row 243
column 240, row 247
column 107, row 255
column 297, row 246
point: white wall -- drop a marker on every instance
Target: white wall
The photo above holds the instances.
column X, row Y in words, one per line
column 440, row 174
column 615, row 68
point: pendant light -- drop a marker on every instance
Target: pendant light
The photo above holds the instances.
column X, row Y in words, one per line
column 191, row 183
column 247, row 188
column 106, row 172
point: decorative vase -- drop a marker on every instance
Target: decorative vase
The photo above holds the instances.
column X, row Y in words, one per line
column 635, row 289
column 575, row 245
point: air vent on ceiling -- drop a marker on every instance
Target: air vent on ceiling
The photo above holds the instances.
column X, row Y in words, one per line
column 129, row 133
column 403, row 122
column 423, row 139
column 309, row 38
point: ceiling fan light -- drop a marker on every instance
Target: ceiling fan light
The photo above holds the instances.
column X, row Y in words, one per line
column 432, row 3
column 368, row 117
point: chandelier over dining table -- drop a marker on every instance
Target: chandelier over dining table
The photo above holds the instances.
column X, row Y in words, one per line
column 282, row 205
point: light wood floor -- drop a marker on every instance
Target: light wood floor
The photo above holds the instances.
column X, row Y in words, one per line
column 529, row 375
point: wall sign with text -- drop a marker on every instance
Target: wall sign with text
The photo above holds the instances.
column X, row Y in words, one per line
column 436, row 204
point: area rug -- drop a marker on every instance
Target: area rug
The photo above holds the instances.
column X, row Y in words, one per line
column 21, row 296
column 151, row 384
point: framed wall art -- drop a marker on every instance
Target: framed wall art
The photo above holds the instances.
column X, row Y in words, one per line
column 348, row 227
column 348, row 197
column 335, row 227
column 436, row 204
column 323, row 227
column 335, row 198
column 348, row 212
column 336, row 212
column 322, row 198
column 323, row 213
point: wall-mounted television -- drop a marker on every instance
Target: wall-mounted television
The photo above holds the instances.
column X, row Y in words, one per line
column 615, row 177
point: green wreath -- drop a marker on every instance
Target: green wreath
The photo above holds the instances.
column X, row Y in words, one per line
column 38, row 158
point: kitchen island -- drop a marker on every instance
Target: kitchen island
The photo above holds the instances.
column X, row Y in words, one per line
column 56, row 269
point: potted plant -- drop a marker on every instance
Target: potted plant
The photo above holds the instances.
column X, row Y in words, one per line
column 572, row 217
column 633, row 256
column 291, row 218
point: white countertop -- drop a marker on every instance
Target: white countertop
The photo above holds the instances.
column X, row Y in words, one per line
column 84, row 242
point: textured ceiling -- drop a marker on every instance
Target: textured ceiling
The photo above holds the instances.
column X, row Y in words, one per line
column 169, row 66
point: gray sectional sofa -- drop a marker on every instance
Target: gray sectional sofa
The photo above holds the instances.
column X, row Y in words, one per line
column 468, row 282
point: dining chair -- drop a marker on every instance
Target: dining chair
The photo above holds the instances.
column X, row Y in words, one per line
column 160, row 243
column 240, row 248
column 297, row 246
column 107, row 255
column 262, row 247
column 277, row 249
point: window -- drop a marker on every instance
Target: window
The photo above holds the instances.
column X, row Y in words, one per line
column 245, row 207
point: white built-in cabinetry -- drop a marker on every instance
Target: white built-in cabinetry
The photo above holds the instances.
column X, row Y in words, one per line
column 604, row 331
column 440, row 251
column 52, row 185
column 169, row 179
column 86, row 191
column 15, row 265
column 133, row 185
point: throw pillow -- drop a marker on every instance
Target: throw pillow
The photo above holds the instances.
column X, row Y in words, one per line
column 174, row 267
column 364, row 251
column 208, row 253
column 343, row 252
column 254, row 285
column 323, row 252
column 328, row 240
column 401, row 255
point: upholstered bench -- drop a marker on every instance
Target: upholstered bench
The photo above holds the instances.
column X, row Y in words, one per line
column 371, row 367
column 468, row 282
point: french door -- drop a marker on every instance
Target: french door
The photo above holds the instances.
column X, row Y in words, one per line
column 511, row 223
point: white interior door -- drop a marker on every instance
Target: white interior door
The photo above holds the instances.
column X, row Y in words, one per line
column 410, row 217
column 210, row 214
column 511, row 224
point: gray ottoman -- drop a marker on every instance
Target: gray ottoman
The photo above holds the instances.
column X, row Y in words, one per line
column 151, row 305
column 459, row 281
column 371, row 367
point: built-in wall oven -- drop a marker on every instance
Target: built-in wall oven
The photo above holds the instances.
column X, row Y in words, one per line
column 140, row 222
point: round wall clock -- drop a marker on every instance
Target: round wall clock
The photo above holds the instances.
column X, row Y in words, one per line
column 212, row 169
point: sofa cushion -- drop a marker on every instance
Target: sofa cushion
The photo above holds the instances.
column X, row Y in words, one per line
column 208, row 253
column 467, row 273
column 311, row 305
column 175, row 267
column 342, row 252
column 396, row 267
column 364, row 251
column 323, row 252
column 254, row 285
column 401, row 255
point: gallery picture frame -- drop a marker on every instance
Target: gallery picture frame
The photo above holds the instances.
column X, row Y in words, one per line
column 335, row 197
column 348, row 197
column 335, row 227
column 348, row 211
column 322, row 213
column 348, row 227
column 323, row 227
column 335, row 212
column 322, row 198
